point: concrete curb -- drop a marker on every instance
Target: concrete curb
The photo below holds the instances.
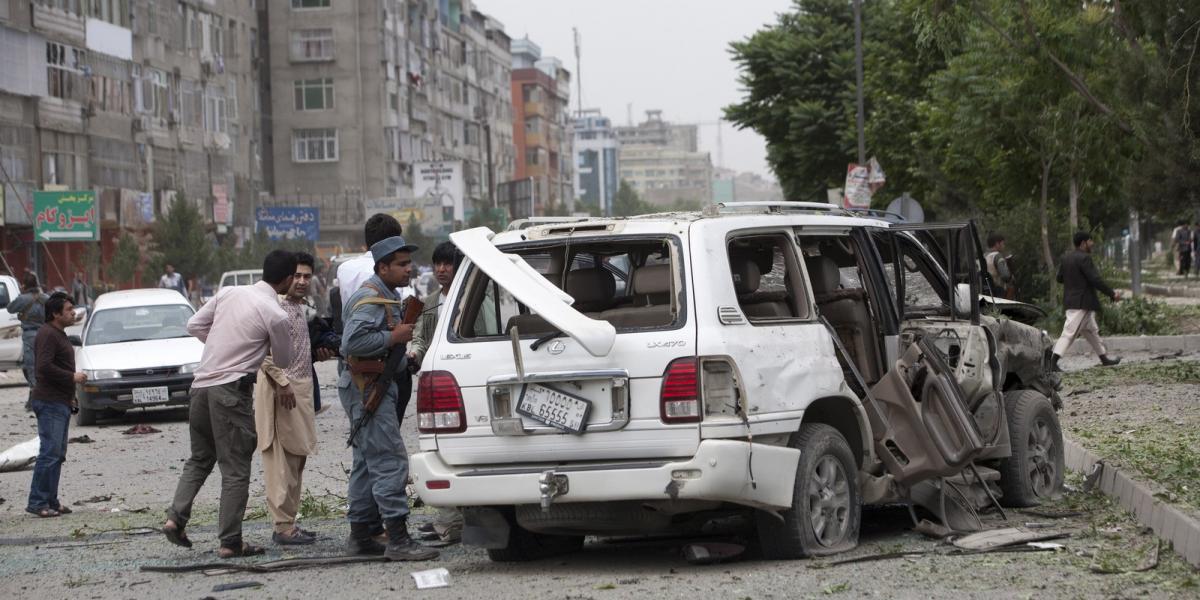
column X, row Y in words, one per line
column 1168, row 522
column 1167, row 290
column 1141, row 343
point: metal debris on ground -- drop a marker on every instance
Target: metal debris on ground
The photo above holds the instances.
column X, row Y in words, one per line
column 140, row 429
column 94, row 500
column 1000, row 538
column 237, row 585
column 1149, row 562
column 1175, row 354
column 1093, row 477
column 1053, row 514
column 20, row 456
column 433, row 578
column 263, row 567
column 709, row 553
column 83, row 439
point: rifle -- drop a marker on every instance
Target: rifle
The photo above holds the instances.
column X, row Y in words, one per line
column 379, row 386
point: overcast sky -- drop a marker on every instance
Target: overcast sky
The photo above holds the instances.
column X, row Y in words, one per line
column 667, row 54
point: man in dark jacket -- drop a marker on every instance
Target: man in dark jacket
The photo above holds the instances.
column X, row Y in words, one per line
column 1080, row 280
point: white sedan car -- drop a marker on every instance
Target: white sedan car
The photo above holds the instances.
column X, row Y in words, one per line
column 136, row 352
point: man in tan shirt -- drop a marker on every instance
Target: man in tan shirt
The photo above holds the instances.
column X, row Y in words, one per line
column 283, row 413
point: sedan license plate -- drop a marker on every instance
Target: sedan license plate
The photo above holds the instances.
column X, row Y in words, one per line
column 554, row 408
column 154, row 395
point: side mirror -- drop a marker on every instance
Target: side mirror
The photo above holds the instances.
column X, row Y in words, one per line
column 963, row 300
column 75, row 341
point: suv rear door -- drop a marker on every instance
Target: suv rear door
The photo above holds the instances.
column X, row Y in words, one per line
column 618, row 370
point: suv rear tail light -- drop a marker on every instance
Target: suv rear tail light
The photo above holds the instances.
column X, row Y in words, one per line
column 440, row 404
column 679, row 401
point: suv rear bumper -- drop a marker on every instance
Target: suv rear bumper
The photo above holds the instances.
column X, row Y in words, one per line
column 718, row 472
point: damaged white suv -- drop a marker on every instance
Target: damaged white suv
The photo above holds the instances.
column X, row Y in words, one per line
column 785, row 360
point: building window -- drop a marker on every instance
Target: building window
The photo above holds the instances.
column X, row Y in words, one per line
column 310, row 4
column 314, row 145
column 391, row 140
column 312, row 44
column 215, row 111
column 314, row 94
column 531, row 157
column 70, row 6
column 64, row 71
column 112, row 11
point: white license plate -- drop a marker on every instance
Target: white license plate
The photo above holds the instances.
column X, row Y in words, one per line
column 154, row 395
column 554, row 408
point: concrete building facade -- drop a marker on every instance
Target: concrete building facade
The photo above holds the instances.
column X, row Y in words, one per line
column 596, row 168
column 662, row 162
column 138, row 100
column 541, row 90
column 361, row 91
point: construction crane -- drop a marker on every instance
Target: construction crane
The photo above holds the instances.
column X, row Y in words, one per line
column 720, row 144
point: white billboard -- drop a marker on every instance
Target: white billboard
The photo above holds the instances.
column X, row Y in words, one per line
column 440, row 183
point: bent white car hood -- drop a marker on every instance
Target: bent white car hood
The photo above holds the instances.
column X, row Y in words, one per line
column 533, row 290
column 140, row 355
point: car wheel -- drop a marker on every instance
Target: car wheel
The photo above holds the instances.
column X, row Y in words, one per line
column 1034, row 472
column 524, row 545
column 826, row 503
column 85, row 417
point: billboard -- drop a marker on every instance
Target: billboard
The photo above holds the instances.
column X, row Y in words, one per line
column 440, row 183
column 289, row 222
column 65, row 216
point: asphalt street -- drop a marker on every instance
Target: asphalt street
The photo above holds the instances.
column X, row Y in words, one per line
column 120, row 483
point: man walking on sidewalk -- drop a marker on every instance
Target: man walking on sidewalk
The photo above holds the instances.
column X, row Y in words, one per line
column 284, row 414
column 237, row 327
column 1081, row 280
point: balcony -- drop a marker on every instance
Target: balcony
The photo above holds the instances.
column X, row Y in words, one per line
column 60, row 115
column 534, row 139
column 60, row 24
column 536, row 108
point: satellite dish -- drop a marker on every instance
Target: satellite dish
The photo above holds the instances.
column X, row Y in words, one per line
column 906, row 206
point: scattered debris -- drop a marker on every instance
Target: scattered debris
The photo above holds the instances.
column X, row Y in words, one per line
column 1148, row 562
column 272, row 566
column 237, row 585
column 86, row 544
column 94, row 500
column 933, row 530
column 83, row 439
column 1054, row 514
column 1093, row 478
column 140, row 429
column 709, row 553
column 20, row 456
column 1045, row 545
column 1175, row 354
column 1036, row 525
column 433, row 578
column 1000, row 538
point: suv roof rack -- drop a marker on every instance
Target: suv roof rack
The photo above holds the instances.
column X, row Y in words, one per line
column 778, row 207
column 527, row 222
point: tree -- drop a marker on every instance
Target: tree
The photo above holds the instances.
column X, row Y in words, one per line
column 414, row 235
column 180, row 239
column 628, row 203
column 125, row 260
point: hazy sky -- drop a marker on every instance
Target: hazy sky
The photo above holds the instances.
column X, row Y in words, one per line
column 667, row 54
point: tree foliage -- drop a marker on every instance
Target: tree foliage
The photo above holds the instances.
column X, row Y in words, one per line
column 125, row 260
column 628, row 203
column 1034, row 117
column 180, row 240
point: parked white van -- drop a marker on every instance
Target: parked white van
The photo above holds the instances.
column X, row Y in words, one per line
column 787, row 361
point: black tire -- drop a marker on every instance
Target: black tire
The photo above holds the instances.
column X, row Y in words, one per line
column 85, row 417
column 524, row 545
column 1034, row 472
column 825, row 461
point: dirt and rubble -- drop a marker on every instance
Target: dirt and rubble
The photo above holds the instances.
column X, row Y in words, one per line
column 119, row 486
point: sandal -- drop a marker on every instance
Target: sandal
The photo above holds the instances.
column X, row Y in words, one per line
column 62, row 510
column 43, row 513
column 247, row 549
column 176, row 536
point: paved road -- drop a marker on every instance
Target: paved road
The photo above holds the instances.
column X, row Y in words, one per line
column 69, row 557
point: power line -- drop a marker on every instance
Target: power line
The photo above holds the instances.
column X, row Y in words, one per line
column 29, row 216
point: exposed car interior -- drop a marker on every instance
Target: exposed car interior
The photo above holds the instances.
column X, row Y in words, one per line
column 836, row 277
column 630, row 284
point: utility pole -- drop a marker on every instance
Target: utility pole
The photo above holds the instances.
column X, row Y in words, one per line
column 858, row 75
column 1135, row 252
column 578, row 74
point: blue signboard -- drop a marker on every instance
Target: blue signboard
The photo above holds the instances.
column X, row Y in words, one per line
column 290, row 222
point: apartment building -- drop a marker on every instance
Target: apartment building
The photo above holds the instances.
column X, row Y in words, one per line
column 361, row 92
column 662, row 162
column 596, row 170
column 138, row 100
column 541, row 90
